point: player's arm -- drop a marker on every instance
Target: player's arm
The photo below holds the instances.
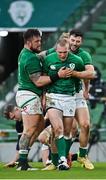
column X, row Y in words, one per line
column 88, row 73
column 86, row 83
column 42, row 54
column 40, row 80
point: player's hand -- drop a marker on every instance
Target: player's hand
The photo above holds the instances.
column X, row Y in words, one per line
column 11, row 164
column 64, row 72
column 86, row 94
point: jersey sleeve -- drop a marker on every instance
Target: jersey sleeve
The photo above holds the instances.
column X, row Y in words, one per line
column 87, row 58
column 45, row 65
column 50, row 51
column 80, row 64
column 33, row 65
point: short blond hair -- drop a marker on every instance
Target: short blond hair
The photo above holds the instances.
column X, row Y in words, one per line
column 64, row 35
column 62, row 42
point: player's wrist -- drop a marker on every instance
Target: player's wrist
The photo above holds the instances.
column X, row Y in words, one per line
column 54, row 77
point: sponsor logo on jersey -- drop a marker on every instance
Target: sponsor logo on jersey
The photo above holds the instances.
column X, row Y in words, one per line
column 53, row 67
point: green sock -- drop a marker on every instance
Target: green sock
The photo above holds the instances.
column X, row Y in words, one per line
column 61, row 146
column 23, row 154
column 82, row 152
column 68, row 145
column 54, row 158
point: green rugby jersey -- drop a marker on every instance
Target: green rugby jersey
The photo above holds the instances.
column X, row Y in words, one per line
column 86, row 57
column 51, row 50
column 52, row 64
column 28, row 63
column 87, row 60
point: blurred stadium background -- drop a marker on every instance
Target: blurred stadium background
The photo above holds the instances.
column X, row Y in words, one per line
column 53, row 18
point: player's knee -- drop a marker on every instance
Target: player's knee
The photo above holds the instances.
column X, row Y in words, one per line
column 85, row 126
column 58, row 131
column 67, row 133
column 42, row 139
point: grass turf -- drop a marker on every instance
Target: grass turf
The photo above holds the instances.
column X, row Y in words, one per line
column 76, row 172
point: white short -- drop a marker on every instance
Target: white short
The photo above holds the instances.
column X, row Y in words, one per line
column 64, row 103
column 29, row 102
column 44, row 147
column 80, row 100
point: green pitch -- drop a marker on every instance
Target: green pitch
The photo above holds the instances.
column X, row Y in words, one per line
column 76, row 172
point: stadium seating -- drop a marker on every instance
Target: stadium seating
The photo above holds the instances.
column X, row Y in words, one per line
column 101, row 50
column 99, row 36
column 104, row 13
column 100, row 59
column 102, row 19
column 7, row 130
column 90, row 43
column 98, row 65
column 101, row 27
column 82, row 8
column 96, row 113
column 104, row 43
column 100, row 62
column 104, row 73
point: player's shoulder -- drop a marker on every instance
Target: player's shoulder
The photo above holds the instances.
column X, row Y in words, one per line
column 75, row 56
column 49, row 56
column 84, row 52
column 50, row 51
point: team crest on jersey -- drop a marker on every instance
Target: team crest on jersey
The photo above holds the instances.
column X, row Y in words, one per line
column 53, row 67
column 21, row 12
column 72, row 66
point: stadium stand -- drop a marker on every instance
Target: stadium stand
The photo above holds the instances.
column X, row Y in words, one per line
column 91, row 44
column 99, row 36
column 7, row 92
column 74, row 17
column 104, row 43
column 102, row 19
column 101, row 27
column 100, row 59
column 101, row 50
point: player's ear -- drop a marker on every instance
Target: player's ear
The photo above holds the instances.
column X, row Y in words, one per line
column 10, row 115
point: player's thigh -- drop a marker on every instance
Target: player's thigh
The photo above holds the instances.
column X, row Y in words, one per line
column 55, row 117
column 82, row 116
column 31, row 121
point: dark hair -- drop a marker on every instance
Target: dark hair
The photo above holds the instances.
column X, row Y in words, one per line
column 7, row 109
column 76, row 33
column 30, row 33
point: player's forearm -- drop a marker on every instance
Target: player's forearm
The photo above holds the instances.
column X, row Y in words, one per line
column 42, row 81
column 42, row 54
column 86, row 83
column 84, row 74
